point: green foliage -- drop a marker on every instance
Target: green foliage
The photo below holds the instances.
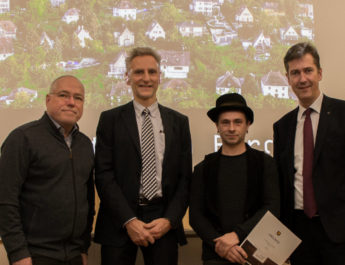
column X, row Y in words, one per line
column 250, row 85
column 260, row 101
column 21, row 100
column 120, row 100
column 38, row 8
column 95, row 48
column 34, row 65
column 95, row 100
column 169, row 16
column 200, row 67
column 190, row 98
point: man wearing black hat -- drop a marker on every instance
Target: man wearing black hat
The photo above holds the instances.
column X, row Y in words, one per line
column 233, row 188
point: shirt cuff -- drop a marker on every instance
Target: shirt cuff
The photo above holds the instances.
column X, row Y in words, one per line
column 129, row 221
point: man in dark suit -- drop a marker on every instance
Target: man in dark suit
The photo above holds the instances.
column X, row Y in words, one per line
column 309, row 148
column 143, row 169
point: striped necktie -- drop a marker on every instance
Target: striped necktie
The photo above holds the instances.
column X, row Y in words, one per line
column 148, row 172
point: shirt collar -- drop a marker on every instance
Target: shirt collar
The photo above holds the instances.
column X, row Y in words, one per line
column 316, row 106
column 153, row 108
column 62, row 129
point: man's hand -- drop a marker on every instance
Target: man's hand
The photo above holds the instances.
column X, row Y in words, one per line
column 138, row 233
column 158, row 227
column 236, row 255
column 84, row 258
column 225, row 242
column 25, row 261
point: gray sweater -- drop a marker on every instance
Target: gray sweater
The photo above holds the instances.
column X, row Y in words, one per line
column 46, row 192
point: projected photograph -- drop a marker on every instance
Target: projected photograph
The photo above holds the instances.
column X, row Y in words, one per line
column 208, row 48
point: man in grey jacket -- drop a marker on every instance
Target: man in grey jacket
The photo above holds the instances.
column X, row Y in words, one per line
column 46, row 183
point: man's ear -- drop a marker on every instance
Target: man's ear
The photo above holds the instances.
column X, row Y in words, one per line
column 127, row 78
column 47, row 98
column 216, row 123
column 287, row 75
column 248, row 125
column 320, row 74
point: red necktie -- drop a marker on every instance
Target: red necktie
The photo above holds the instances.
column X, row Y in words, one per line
column 309, row 203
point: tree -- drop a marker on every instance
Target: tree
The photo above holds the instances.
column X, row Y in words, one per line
column 95, row 100
column 90, row 21
column 169, row 16
column 95, row 48
column 38, row 9
column 21, row 100
column 276, row 59
column 268, row 24
column 228, row 11
column 17, row 67
column 291, row 6
column 250, row 85
column 32, row 37
column 182, row 4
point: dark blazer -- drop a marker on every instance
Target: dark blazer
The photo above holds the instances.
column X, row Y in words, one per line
column 118, row 169
column 328, row 166
column 262, row 195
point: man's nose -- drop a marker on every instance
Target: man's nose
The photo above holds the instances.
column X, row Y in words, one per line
column 303, row 77
column 231, row 126
column 71, row 100
column 146, row 76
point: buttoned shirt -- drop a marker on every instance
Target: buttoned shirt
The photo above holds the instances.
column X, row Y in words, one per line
column 68, row 139
column 298, row 156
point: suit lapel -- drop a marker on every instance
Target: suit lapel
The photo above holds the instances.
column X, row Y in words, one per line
column 168, row 132
column 325, row 115
column 128, row 116
column 290, row 142
column 167, row 126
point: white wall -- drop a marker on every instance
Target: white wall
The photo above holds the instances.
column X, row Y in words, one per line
column 330, row 40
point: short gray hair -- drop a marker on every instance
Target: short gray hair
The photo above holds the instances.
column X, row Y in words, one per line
column 142, row 51
column 55, row 83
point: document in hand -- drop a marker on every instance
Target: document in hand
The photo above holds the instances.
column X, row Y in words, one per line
column 270, row 242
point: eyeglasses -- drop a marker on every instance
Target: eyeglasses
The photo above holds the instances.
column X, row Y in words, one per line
column 67, row 96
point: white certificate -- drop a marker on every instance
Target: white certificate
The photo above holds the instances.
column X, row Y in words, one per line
column 270, row 242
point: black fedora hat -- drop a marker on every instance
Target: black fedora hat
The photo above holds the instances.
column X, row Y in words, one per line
column 231, row 101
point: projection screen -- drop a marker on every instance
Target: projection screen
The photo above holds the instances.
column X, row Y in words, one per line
column 208, row 48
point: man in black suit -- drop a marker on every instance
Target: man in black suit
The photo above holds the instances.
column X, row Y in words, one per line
column 312, row 173
column 233, row 188
column 142, row 184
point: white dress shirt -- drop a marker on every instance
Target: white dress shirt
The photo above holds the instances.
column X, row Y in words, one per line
column 298, row 158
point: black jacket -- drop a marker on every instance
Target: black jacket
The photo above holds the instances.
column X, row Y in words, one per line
column 118, row 167
column 328, row 166
column 46, row 192
column 262, row 195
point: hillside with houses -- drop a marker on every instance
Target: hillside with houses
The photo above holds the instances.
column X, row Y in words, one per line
column 208, row 48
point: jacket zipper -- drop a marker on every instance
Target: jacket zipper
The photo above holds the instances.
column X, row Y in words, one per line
column 75, row 193
column 75, row 200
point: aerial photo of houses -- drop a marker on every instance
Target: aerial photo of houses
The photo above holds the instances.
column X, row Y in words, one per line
column 208, row 48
